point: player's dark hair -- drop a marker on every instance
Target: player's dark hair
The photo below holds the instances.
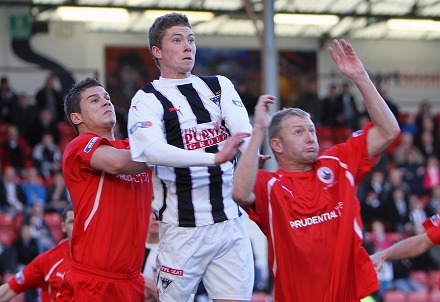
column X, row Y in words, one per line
column 66, row 209
column 73, row 98
column 160, row 25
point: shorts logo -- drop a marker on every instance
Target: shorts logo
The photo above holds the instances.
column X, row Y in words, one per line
column 172, row 271
column 165, row 283
column 19, row 277
column 146, row 124
column 326, row 175
column 238, row 103
column 90, row 144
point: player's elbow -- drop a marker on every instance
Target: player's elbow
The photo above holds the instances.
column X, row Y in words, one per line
column 242, row 198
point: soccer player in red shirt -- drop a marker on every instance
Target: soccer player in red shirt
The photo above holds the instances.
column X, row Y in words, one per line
column 111, row 196
column 308, row 209
column 412, row 246
column 47, row 270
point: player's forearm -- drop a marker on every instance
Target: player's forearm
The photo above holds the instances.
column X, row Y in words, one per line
column 407, row 248
column 6, row 293
column 247, row 169
column 162, row 154
column 378, row 110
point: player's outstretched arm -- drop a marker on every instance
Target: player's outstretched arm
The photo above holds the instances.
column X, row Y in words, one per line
column 247, row 168
column 407, row 248
column 386, row 128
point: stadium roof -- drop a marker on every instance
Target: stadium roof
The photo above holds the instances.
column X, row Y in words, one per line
column 320, row 19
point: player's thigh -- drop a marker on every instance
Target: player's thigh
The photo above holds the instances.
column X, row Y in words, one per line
column 230, row 275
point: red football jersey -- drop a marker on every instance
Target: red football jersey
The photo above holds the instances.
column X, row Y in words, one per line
column 112, row 212
column 46, row 271
column 311, row 220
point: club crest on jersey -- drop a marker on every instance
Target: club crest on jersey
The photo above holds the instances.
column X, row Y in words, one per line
column 165, row 283
column 19, row 277
column 435, row 220
column 90, row 144
column 146, row 124
column 216, row 99
column 326, row 175
column 357, row 133
column 238, row 103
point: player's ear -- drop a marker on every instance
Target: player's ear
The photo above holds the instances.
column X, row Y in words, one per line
column 156, row 52
column 276, row 145
column 76, row 118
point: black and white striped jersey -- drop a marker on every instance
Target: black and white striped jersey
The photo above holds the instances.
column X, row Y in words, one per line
column 192, row 117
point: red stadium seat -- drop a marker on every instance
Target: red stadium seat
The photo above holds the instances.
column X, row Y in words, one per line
column 434, row 295
column 418, row 297
column 434, row 280
column 394, row 296
column 6, row 219
column 53, row 221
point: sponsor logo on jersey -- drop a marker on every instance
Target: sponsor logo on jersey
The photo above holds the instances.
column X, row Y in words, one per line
column 136, row 178
column 145, row 124
column 357, row 133
column 326, row 175
column 19, row 277
column 172, row 109
column 172, row 271
column 90, row 144
column 318, row 219
column 135, row 105
column 196, row 137
column 238, row 103
column 165, row 283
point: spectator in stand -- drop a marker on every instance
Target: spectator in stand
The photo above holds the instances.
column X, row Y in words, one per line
column 379, row 241
column 396, row 211
column 400, row 154
column 418, row 212
column 392, row 105
column 15, row 151
column 432, row 174
column 8, row 99
column 45, row 123
column 434, row 199
column 413, row 171
column 12, row 196
column 24, row 115
column 57, row 195
column 347, row 111
column 46, row 156
column 371, row 209
column 38, row 227
column 395, row 179
column 374, row 181
column 8, row 259
column 33, row 187
column 329, row 112
column 422, row 115
column 428, row 144
column 26, row 249
column 48, row 97
column 309, row 101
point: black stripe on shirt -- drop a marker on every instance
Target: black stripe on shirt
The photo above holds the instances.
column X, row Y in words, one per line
column 196, row 103
column 186, row 216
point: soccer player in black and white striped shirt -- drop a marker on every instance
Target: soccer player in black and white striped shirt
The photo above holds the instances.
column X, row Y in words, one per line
column 180, row 119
